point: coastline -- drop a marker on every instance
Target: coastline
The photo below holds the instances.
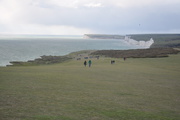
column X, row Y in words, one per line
column 30, row 49
column 126, row 38
column 96, row 54
column 141, row 42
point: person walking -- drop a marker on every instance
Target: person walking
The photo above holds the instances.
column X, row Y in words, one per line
column 89, row 62
column 85, row 63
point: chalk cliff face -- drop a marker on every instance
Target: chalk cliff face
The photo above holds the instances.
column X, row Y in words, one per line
column 144, row 44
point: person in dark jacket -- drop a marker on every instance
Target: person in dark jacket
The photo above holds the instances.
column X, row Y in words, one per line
column 85, row 63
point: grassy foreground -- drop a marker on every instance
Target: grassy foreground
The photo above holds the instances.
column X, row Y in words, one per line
column 135, row 89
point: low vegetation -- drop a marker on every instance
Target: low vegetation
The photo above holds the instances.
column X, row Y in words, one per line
column 44, row 60
column 137, row 53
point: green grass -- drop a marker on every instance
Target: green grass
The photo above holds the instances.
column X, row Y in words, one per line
column 135, row 89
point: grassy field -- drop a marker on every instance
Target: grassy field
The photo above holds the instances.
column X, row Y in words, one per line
column 135, row 89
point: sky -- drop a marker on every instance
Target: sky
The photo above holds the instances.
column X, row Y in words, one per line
column 78, row 17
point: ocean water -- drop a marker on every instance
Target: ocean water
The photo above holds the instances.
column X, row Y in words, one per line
column 24, row 48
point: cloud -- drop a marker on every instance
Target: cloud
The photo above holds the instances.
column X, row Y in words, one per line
column 61, row 3
column 89, row 16
column 93, row 5
column 139, row 3
column 44, row 29
column 8, row 11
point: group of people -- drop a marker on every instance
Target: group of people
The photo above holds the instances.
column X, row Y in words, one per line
column 89, row 63
column 113, row 61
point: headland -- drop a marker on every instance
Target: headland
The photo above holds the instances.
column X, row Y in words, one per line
column 157, row 45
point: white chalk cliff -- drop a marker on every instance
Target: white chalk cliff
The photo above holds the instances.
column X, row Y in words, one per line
column 144, row 44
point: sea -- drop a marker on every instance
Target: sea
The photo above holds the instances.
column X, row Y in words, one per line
column 30, row 47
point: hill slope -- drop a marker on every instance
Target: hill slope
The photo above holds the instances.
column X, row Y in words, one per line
column 135, row 89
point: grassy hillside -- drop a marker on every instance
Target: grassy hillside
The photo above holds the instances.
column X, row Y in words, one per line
column 135, row 89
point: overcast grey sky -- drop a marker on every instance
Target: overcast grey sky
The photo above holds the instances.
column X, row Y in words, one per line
column 78, row 17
